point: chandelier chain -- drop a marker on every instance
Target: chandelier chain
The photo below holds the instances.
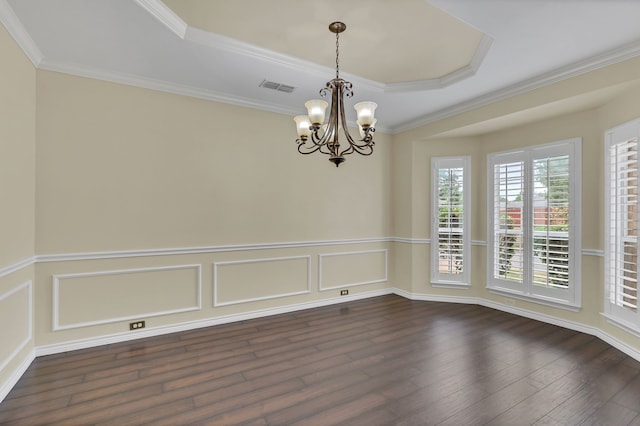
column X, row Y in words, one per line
column 317, row 135
column 337, row 55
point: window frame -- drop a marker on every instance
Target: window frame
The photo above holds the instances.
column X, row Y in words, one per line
column 440, row 279
column 567, row 298
column 615, row 313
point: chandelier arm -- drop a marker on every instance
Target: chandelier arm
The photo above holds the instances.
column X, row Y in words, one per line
column 365, row 149
column 322, row 142
column 325, row 138
column 305, row 148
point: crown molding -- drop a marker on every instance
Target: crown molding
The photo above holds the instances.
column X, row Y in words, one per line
column 237, row 47
column 168, row 87
column 166, row 16
column 13, row 25
column 234, row 46
column 161, row 85
column 628, row 51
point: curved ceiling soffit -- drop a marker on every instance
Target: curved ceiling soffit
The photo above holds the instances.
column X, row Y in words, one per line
column 178, row 26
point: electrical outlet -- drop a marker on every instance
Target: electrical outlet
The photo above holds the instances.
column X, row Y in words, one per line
column 344, row 292
column 136, row 325
column 509, row 301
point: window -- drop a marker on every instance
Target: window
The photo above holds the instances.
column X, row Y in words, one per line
column 534, row 223
column 450, row 237
column 621, row 231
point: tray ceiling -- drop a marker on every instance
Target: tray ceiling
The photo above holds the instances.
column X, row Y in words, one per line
column 419, row 60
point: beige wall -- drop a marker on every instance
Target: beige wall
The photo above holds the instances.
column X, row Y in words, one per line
column 17, row 144
column 413, row 206
column 122, row 168
column 186, row 213
column 17, row 176
column 216, row 189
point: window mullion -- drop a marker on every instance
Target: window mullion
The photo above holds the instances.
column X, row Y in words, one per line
column 527, row 228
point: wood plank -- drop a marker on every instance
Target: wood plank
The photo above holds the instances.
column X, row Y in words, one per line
column 378, row 361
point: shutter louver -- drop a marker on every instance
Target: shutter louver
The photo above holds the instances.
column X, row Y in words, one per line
column 551, row 222
column 508, row 210
column 623, row 232
column 450, row 220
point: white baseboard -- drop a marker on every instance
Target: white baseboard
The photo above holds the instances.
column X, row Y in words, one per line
column 123, row 337
column 593, row 331
column 158, row 331
column 6, row 387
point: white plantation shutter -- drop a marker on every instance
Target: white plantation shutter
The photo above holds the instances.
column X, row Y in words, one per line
column 508, row 187
column 450, row 239
column 534, row 202
column 551, row 222
column 450, row 220
column 621, row 233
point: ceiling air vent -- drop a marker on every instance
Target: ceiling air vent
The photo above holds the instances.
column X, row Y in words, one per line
column 277, row 86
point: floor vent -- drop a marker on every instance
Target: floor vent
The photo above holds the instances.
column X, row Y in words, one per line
column 277, row 86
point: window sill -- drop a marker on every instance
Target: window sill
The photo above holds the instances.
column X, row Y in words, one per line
column 554, row 303
column 625, row 325
column 448, row 284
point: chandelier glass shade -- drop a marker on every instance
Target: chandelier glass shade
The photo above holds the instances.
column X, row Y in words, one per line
column 316, row 134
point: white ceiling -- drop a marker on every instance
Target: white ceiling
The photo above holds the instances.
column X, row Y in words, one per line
column 419, row 60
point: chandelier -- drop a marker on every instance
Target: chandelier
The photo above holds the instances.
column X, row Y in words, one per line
column 316, row 135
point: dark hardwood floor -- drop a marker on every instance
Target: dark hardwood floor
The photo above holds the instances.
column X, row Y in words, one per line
column 380, row 361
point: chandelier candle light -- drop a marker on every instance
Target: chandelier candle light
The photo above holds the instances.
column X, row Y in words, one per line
column 316, row 135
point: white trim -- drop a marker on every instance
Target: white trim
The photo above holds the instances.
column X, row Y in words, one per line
column 450, row 285
column 619, row 322
column 478, row 243
column 14, row 27
column 615, row 313
column 123, row 337
column 436, row 276
column 161, row 86
column 67, row 257
column 10, row 269
column 255, row 299
column 162, row 13
column 593, row 331
column 628, row 51
column 237, row 47
column 540, row 300
column 410, row 240
column 191, row 325
column 386, row 269
column 29, row 286
column 169, row 87
column 11, row 381
column 436, row 298
column 526, row 156
column 157, row 331
column 56, row 296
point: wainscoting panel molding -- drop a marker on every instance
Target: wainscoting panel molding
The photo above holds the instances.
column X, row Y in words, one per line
column 10, row 269
column 94, row 298
column 250, row 280
column 349, row 269
column 16, row 315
